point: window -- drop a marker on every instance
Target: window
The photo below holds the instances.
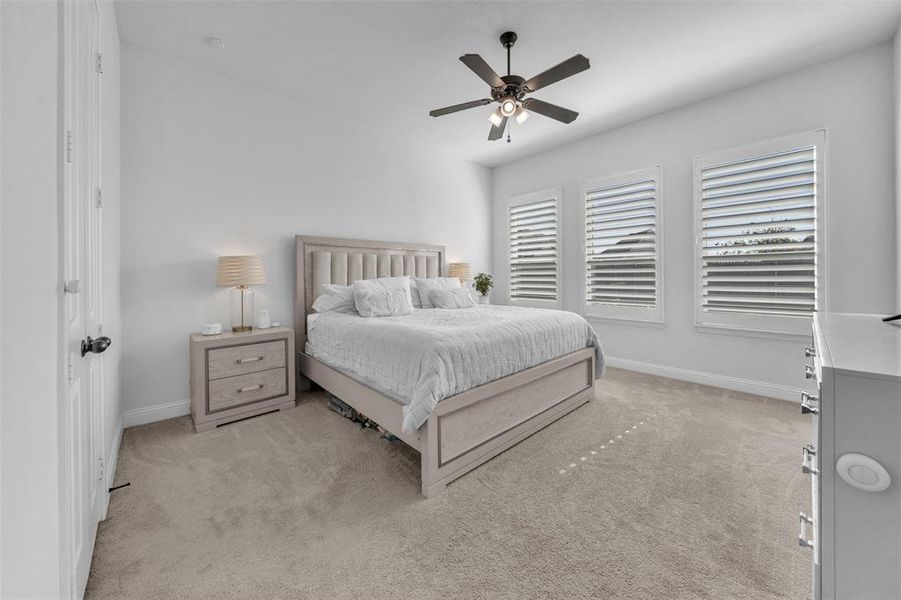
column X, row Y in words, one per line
column 623, row 272
column 534, row 238
column 759, row 244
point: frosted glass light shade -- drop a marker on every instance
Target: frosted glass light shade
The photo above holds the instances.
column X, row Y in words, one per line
column 240, row 270
column 521, row 115
column 462, row 271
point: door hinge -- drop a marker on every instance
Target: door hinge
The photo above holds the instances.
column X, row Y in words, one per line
column 69, row 146
column 100, row 328
column 100, row 62
column 70, row 368
column 99, row 197
column 100, row 475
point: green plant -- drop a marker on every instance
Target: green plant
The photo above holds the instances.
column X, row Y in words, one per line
column 483, row 283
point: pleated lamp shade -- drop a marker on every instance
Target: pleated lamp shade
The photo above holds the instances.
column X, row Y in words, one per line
column 234, row 271
column 462, row 271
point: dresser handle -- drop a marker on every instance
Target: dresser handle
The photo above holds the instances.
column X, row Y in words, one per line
column 241, row 361
column 808, row 352
column 809, row 372
column 251, row 388
column 803, row 541
column 809, row 404
column 807, row 454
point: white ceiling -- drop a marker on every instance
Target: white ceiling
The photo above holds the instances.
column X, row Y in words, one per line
column 385, row 65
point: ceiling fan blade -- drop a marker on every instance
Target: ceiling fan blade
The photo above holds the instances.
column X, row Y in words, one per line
column 567, row 68
column 497, row 132
column 438, row 112
column 564, row 115
column 481, row 68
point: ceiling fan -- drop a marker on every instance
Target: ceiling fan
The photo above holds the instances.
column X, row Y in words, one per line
column 510, row 90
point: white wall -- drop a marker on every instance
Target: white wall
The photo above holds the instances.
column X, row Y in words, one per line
column 851, row 96
column 30, row 349
column 214, row 167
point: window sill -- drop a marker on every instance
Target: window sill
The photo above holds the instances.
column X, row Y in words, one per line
column 654, row 323
column 549, row 304
column 752, row 332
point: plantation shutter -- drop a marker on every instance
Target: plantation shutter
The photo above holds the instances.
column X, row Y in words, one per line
column 621, row 244
column 533, row 250
column 758, row 234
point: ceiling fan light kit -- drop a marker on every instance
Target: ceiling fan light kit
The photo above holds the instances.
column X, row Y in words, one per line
column 510, row 91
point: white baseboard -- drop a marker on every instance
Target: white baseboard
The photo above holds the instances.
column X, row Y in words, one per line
column 180, row 408
column 156, row 412
column 748, row 386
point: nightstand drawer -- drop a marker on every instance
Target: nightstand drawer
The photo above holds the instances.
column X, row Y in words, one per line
column 243, row 389
column 249, row 358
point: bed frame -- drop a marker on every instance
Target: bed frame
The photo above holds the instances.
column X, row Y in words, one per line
column 464, row 430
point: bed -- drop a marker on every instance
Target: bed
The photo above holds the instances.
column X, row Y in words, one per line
column 459, row 386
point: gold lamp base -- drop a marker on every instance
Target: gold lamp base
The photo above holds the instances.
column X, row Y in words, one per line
column 242, row 328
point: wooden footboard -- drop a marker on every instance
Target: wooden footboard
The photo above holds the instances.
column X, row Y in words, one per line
column 470, row 428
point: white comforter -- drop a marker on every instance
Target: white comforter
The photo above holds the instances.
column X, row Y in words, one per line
column 422, row 358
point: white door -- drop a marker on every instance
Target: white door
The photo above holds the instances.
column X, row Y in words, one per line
column 82, row 446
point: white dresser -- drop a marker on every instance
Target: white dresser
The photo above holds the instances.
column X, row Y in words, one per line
column 853, row 528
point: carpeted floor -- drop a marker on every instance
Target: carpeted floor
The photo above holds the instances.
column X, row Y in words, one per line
column 698, row 498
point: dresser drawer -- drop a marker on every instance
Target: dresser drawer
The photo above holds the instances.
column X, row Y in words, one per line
column 249, row 358
column 243, row 389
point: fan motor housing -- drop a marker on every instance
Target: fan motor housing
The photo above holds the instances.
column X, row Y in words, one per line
column 513, row 88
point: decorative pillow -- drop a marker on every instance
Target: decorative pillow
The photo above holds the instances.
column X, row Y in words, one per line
column 425, row 287
column 414, row 294
column 335, row 298
column 383, row 297
column 451, row 298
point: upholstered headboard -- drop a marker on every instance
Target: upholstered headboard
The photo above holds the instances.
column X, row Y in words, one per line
column 343, row 261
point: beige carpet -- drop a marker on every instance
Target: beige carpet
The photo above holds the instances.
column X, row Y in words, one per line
column 699, row 501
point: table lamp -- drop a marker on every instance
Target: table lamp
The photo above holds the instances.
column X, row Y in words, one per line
column 462, row 271
column 240, row 272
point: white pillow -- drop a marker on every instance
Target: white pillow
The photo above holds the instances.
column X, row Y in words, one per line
column 451, row 298
column 425, row 287
column 414, row 291
column 335, row 298
column 383, row 297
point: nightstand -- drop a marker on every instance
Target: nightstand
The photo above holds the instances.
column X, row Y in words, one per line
column 239, row 375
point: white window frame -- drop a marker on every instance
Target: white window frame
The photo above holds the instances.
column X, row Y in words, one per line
column 626, row 313
column 542, row 195
column 788, row 326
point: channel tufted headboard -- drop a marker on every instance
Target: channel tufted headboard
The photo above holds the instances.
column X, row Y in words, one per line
column 343, row 261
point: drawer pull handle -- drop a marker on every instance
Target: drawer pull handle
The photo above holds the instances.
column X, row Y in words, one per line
column 807, row 454
column 803, row 540
column 809, row 372
column 808, row 352
column 809, row 404
column 241, row 361
column 250, row 388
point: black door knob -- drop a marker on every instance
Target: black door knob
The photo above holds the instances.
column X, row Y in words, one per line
column 97, row 346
